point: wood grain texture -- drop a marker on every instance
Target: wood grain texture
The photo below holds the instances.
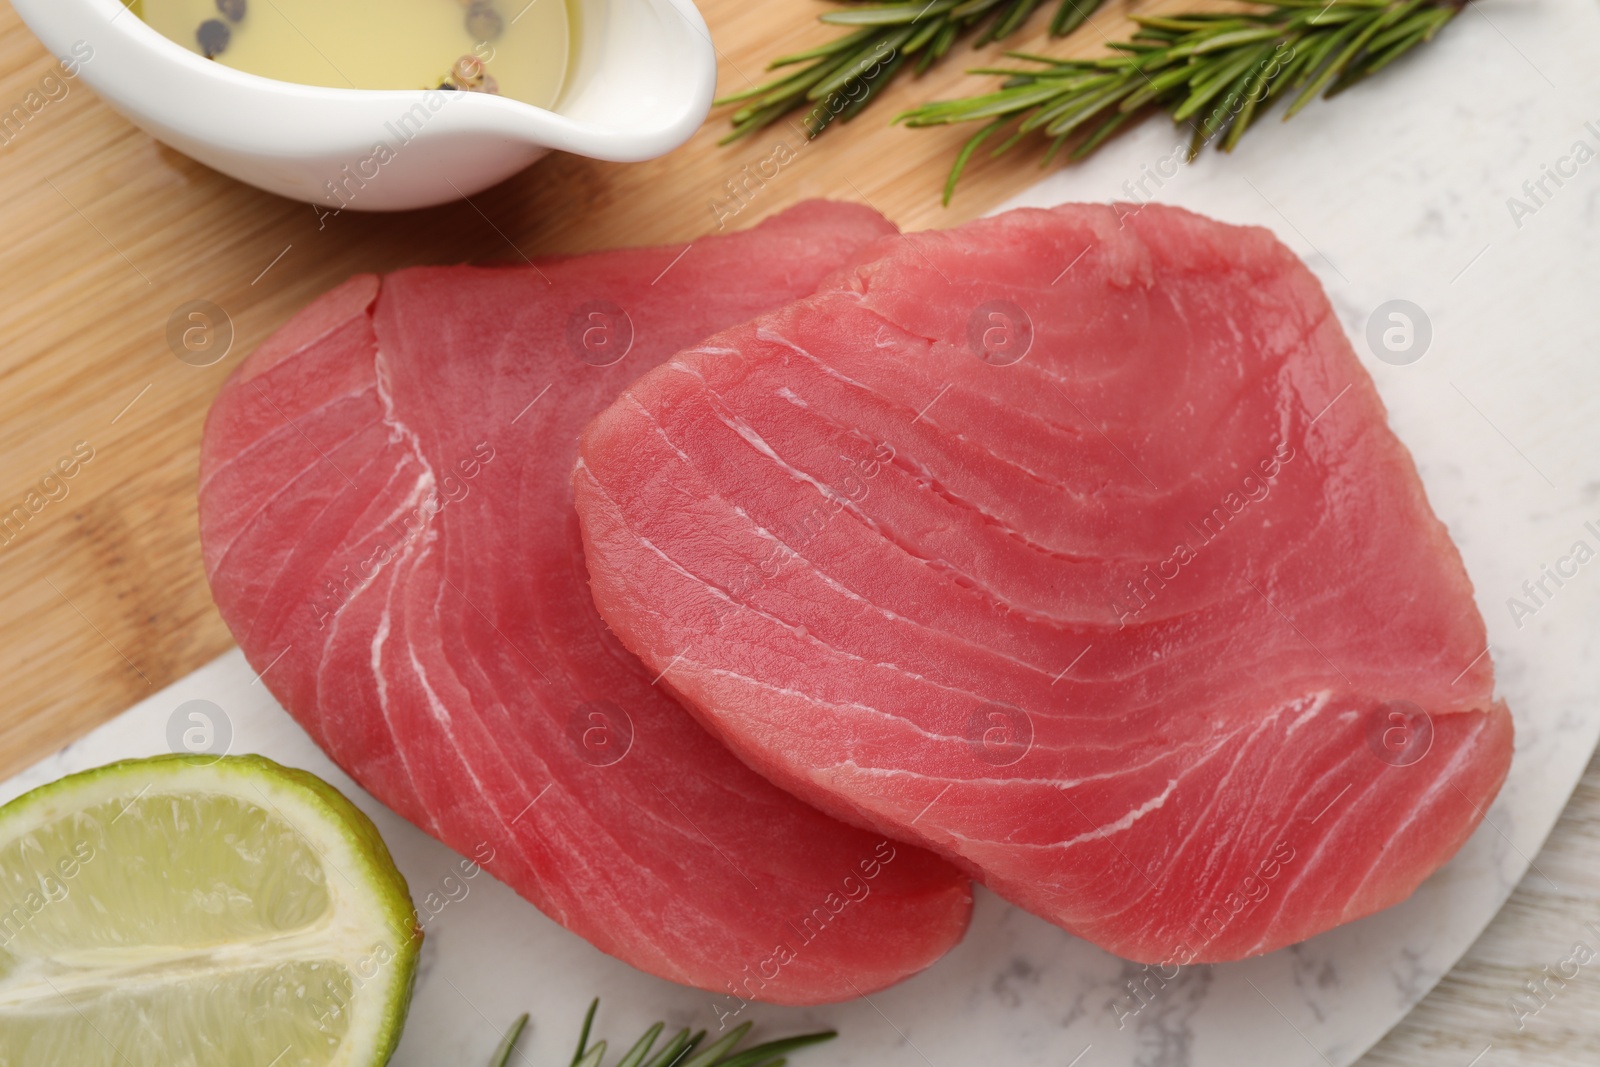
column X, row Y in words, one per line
column 106, row 233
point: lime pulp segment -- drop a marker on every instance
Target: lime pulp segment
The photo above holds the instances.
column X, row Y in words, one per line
column 191, row 912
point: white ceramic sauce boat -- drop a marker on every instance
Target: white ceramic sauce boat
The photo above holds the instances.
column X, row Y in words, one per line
column 640, row 84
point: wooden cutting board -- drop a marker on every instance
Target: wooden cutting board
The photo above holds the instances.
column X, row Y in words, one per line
column 107, row 233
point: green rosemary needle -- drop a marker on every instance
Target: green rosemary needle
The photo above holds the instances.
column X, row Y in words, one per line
column 682, row 1050
column 1216, row 72
column 502, row 1055
column 836, row 80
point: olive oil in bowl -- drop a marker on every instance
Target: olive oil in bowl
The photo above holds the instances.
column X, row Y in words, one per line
column 516, row 48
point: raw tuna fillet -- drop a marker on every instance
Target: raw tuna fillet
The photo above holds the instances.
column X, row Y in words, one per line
column 1075, row 546
column 386, row 516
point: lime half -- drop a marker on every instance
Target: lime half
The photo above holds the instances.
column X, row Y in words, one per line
column 186, row 911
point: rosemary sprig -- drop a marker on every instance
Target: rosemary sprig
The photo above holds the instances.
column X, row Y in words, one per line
column 502, row 1055
column 836, row 80
column 1216, row 72
column 682, row 1050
